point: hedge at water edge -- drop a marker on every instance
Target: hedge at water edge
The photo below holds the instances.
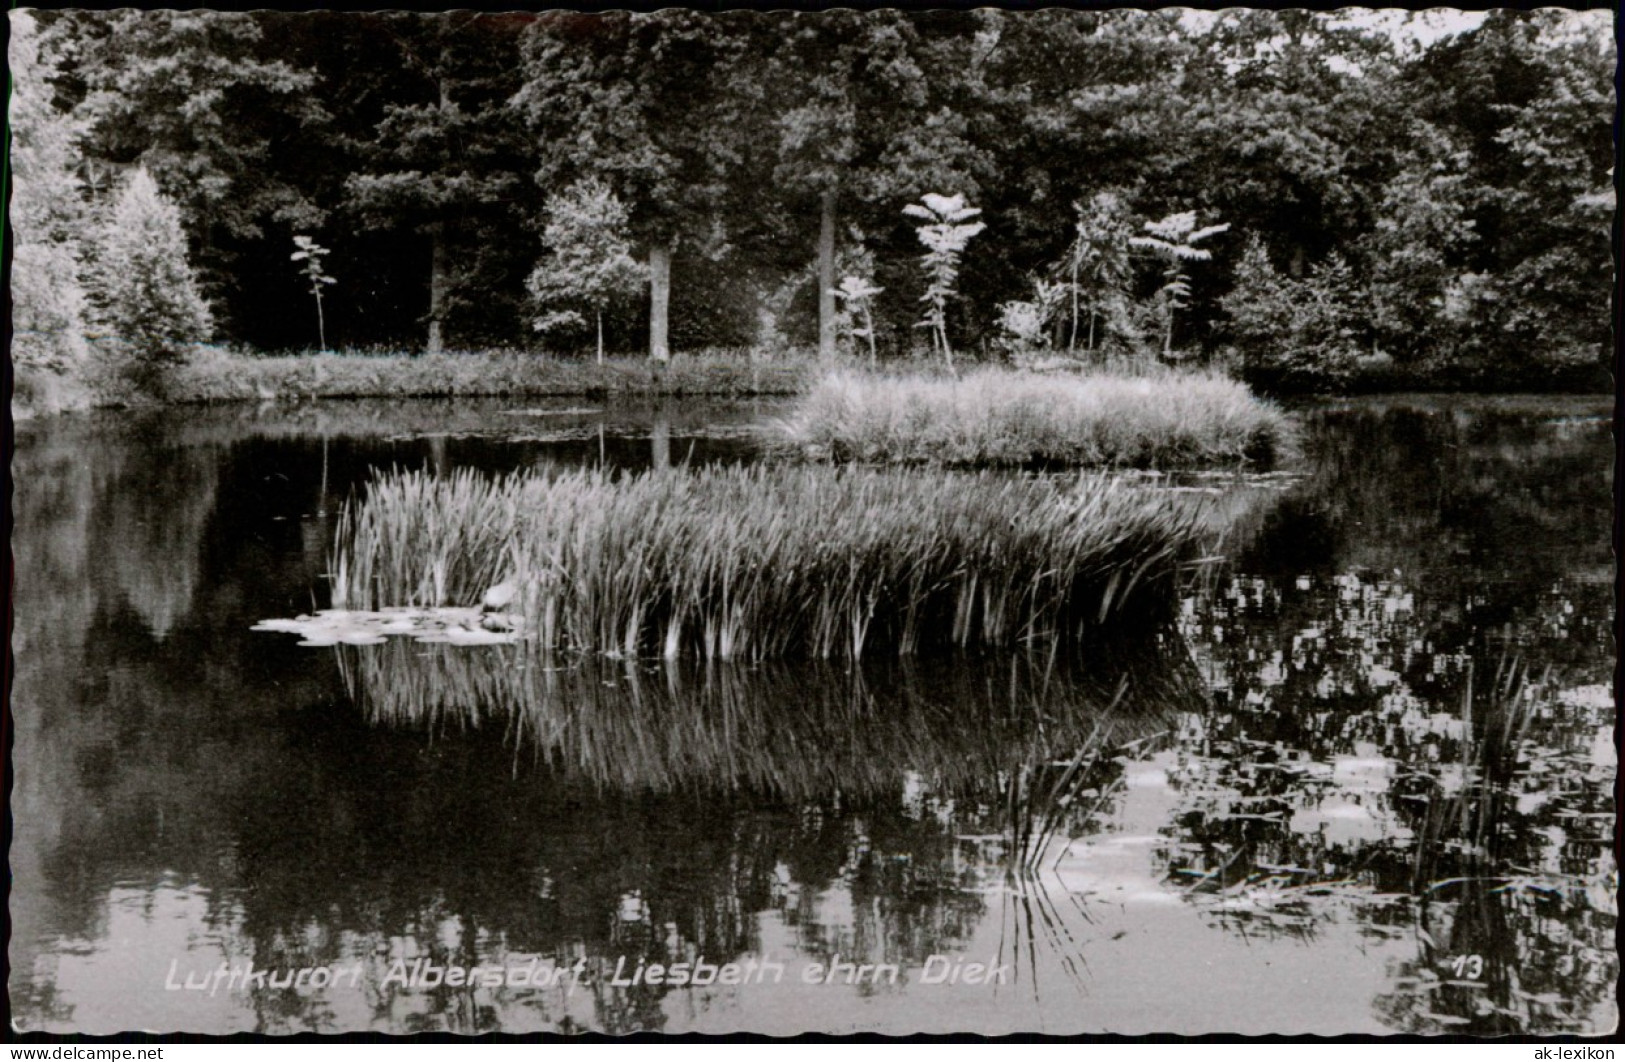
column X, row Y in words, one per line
column 215, row 375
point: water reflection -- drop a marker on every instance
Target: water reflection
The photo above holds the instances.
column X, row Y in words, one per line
column 804, row 731
column 1317, row 808
column 1370, row 743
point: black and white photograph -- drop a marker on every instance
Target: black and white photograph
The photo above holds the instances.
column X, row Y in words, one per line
column 1076, row 522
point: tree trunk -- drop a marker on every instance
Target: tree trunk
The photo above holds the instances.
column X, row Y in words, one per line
column 438, row 283
column 660, row 442
column 659, row 301
column 826, row 276
column 600, row 316
column 1072, row 341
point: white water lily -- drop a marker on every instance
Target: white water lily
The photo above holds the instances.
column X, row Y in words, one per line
column 501, row 595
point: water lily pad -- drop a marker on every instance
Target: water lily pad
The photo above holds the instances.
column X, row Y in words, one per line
column 451, row 626
column 286, row 626
column 465, row 636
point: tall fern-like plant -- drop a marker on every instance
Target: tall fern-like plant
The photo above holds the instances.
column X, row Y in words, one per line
column 1174, row 240
column 856, row 296
column 311, row 253
column 946, row 231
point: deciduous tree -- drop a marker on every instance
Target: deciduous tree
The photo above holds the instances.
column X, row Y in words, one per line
column 439, row 161
column 199, row 100
column 311, row 253
column 47, row 216
column 648, row 104
column 1096, row 270
column 587, row 264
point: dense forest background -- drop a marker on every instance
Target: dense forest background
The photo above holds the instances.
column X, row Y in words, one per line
column 1371, row 204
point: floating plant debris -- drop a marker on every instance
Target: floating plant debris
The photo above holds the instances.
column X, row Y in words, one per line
column 453, row 626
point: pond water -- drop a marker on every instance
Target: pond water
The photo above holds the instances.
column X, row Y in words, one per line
column 1364, row 785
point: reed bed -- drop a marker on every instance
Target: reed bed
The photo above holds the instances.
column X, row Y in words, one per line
column 998, row 417
column 755, row 563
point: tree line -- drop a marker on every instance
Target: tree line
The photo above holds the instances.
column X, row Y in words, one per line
column 1306, row 194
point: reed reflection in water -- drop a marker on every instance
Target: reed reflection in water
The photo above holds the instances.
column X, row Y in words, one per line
column 798, row 731
column 1000, row 758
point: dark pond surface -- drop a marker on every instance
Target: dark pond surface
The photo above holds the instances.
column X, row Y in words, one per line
column 1364, row 786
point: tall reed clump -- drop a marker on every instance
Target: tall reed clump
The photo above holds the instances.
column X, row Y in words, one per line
column 999, row 417
column 1461, row 833
column 754, row 563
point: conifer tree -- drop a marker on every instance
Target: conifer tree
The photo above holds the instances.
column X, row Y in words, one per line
column 146, row 292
